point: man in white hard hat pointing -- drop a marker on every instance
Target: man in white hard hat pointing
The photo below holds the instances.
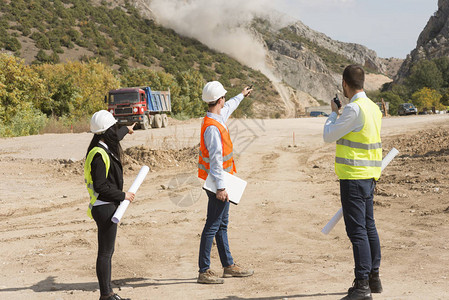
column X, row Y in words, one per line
column 216, row 157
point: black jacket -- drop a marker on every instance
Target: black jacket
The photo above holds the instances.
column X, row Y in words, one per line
column 110, row 188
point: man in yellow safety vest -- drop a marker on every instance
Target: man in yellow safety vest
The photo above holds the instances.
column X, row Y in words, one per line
column 358, row 164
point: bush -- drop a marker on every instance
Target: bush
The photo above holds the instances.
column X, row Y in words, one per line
column 41, row 40
column 182, row 116
column 42, row 57
column 27, row 121
column 66, row 125
column 12, row 44
column 21, row 92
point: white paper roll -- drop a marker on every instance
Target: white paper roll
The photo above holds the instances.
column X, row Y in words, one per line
column 389, row 157
column 133, row 189
column 331, row 224
column 120, row 211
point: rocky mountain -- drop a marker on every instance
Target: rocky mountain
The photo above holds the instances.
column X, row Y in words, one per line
column 310, row 61
column 433, row 42
column 353, row 52
column 392, row 65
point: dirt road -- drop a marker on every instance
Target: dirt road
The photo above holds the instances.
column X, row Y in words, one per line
column 48, row 245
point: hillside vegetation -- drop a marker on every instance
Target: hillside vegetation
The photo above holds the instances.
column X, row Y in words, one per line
column 129, row 50
column 427, row 87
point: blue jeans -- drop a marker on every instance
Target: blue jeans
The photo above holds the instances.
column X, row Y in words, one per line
column 216, row 226
column 357, row 203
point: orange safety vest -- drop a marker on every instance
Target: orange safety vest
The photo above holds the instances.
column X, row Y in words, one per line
column 227, row 151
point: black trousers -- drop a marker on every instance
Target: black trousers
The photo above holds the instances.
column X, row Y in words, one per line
column 107, row 231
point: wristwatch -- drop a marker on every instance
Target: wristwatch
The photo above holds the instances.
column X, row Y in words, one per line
column 221, row 190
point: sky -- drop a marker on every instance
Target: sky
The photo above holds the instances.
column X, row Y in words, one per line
column 389, row 27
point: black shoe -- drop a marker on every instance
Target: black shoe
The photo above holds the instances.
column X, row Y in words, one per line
column 359, row 291
column 117, row 297
column 374, row 283
column 113, row 297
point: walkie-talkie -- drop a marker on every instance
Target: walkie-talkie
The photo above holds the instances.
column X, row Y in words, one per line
column 337, row 101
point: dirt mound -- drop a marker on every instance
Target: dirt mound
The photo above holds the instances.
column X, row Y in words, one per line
column 421, row 168
column 428, row 143
column 136, row 157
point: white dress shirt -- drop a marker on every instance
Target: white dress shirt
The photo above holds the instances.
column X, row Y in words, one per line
column 212, row 139
column 352, row 119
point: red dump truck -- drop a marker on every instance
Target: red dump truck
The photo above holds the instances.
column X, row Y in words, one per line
column 140, row 105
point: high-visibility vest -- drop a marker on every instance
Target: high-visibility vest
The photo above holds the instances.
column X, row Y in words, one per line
column 359, row 154
column 227, row 150
column 88, row 176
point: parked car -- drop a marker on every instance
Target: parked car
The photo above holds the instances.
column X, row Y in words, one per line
column 407, row 109
column 318, row 114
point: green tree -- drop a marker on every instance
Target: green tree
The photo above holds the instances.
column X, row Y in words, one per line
column 141, row 77
column 189, row 102
column 427, row 98
column 443, row 65
column 63, row 93
column 445, row 98
column 425, row 74
column 77, row 88
column 394, row 101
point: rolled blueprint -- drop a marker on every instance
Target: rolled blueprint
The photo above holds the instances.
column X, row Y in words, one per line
column 133, row 189
column 389, row 157
column 331, row 224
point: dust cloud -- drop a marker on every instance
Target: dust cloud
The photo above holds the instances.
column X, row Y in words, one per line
column 222, row 26
column 225, row 27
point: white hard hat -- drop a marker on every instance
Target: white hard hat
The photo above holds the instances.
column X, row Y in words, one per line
column 213, row 91
column 101, row 121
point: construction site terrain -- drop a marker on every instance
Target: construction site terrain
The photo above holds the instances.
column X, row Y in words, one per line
column 49, row 245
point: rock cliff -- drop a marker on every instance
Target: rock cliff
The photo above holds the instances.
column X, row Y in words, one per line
column 433, row 42
column 310, row 61
column 354, row 52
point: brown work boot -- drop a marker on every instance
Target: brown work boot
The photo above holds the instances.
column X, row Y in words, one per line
column 209, row 277
column 236, row 271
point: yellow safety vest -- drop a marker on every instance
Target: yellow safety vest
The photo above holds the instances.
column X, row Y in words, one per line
column 359, row 154
column 88, row 176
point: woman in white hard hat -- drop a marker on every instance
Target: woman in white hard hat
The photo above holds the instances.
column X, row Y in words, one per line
column 103, row 174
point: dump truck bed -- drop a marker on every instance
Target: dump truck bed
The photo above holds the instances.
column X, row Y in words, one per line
column 158, row 101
